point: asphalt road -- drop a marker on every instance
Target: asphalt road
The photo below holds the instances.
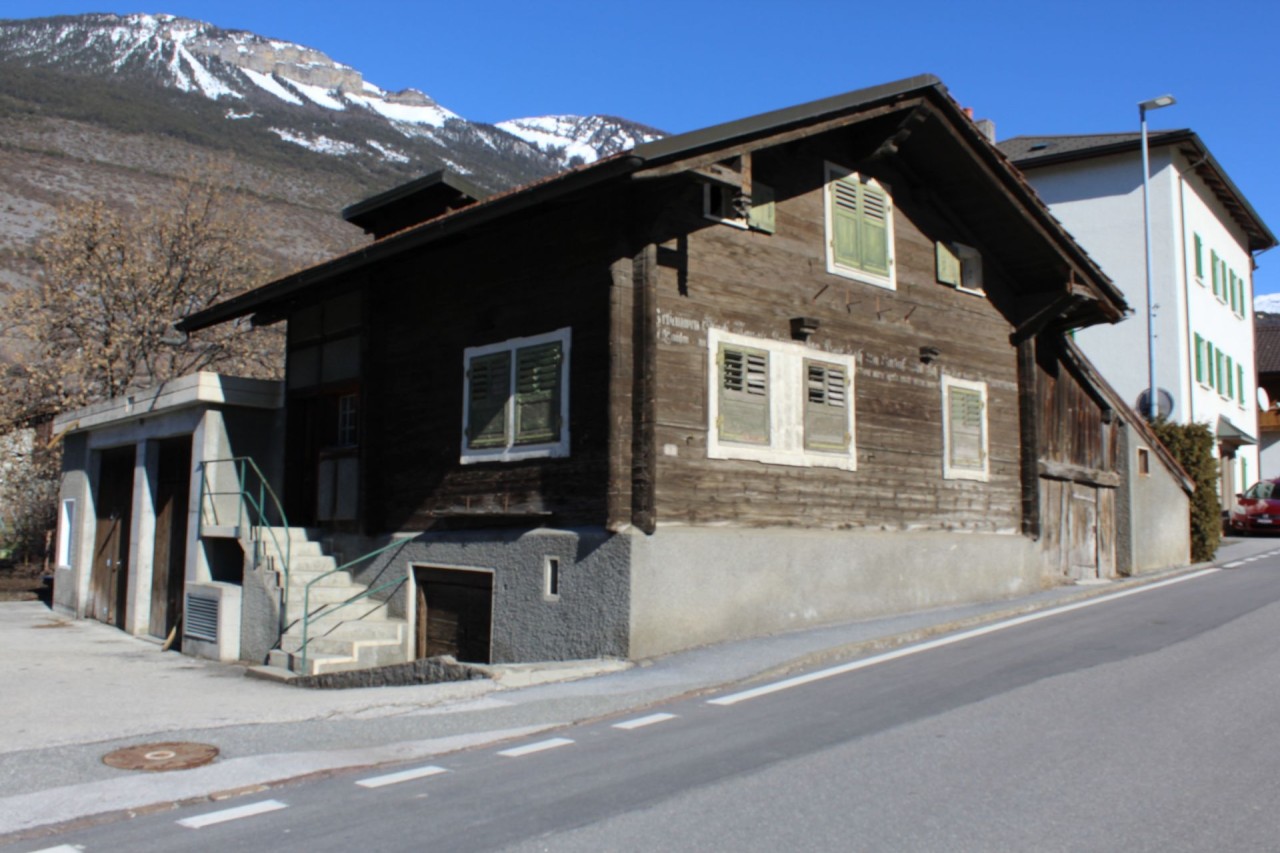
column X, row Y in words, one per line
column 1141, row 722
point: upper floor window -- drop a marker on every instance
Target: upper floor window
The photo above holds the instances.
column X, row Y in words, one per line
column 516, row 399
column 859, row 227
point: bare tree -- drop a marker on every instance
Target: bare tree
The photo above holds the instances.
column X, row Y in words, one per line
column 99, row 321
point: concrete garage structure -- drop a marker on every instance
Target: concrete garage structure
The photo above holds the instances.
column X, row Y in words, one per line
column 130, row 546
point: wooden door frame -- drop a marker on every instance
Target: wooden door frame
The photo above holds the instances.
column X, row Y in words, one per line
column 115, row 586
column 418, row 626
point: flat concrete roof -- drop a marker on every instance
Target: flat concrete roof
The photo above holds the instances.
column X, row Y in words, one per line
column 194, row 389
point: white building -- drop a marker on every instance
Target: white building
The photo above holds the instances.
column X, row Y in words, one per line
column 1204, row 236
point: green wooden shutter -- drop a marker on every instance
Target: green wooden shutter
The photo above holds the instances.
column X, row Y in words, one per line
column 1199, row 359
column 1231, row 378
column 538, row 380
column 947, row 264
column 489, row 391
column 1213, row 266
column 965, row 423
column 1240, row 383
column 1208, row 350
column 763, row 215
column 1217, row 364
column 744, row 395
column 1199, row 258
column 873, row 229
column 844, row 222
column 826, row 407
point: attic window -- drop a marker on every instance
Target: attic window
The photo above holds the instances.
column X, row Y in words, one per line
column 1039, row 146
column 729, row 205
column 959, row 266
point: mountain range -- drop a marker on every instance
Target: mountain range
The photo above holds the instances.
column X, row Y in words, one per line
column 115, row 107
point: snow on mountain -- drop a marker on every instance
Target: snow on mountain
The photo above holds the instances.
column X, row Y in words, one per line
column 577, row 140
column 301, row 96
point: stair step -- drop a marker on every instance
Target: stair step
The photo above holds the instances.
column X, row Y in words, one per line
column 386, row 628
column 358, row 611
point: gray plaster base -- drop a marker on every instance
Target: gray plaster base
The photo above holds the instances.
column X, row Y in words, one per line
column 428, row 671
column 694, row 586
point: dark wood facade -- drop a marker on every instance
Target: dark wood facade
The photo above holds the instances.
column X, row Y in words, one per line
column 623, row 256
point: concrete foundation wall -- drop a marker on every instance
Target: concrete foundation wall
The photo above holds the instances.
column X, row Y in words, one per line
column 588, row 619
column 692, row 586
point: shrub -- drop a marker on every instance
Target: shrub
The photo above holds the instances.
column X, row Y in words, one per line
column 1192, row 445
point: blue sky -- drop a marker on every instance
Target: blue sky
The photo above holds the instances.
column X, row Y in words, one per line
column 1073, row 67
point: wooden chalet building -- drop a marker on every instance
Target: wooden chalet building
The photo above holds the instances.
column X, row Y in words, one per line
column 802, row 367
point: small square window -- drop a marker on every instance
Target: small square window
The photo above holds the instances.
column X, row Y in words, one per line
column 551, row 579
column 516, row 399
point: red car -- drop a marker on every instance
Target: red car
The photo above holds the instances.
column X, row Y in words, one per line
column 1258, row 508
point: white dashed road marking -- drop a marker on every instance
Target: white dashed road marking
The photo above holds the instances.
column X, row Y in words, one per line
column 402, row 776
column 61, row 848
column 641, row 722
column 852, row 666
column 535, row 747
column 232, row 814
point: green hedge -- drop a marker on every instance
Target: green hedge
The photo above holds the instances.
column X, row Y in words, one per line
column 1192, row 445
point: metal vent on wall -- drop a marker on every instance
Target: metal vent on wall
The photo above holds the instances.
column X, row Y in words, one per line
column 201, row 618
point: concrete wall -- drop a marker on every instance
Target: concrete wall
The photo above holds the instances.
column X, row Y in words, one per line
column 1159, row 535
column 693, row 586
column 588, row 619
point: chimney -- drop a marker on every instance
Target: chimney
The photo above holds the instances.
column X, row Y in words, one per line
column 987, row 128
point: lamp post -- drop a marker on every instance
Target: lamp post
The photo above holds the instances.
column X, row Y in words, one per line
column 1153, row 403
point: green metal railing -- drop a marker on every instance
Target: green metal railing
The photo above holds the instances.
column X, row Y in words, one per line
column 258, row 505
column 306, row 594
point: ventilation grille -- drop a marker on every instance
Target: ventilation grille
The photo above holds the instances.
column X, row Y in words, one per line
column 201, row 618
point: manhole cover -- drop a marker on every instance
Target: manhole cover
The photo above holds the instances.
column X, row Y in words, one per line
column 161, row 756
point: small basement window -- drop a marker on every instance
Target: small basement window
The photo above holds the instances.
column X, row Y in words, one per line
column 551, row 579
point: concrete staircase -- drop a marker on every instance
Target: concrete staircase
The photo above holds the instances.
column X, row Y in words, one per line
column 357, row 636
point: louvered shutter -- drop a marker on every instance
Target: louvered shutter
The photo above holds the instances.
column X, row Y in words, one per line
column 826, row 407
column 965, row 423
column 844, row 222
column 538, row 393
column 488, row 393
column 1199, row 258
column 1213, row 264
column 744, row 395
column 1199, row 358
column 873, row 229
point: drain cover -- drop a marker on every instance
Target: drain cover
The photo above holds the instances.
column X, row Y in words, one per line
column 161, row 756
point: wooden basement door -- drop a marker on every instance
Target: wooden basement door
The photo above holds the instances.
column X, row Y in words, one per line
column 168, row 569
column 454, row 613
column 109, row 577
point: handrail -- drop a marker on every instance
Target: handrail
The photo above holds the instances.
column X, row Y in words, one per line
column 306, row 593
column 258, row 510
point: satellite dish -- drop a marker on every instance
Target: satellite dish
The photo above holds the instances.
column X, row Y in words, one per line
column 1164, row 403
column 1264, row 399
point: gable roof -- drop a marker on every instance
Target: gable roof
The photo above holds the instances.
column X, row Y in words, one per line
column 1032, row 152
column 925, row 91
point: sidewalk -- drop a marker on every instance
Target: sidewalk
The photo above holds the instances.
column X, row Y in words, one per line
column 73, row 691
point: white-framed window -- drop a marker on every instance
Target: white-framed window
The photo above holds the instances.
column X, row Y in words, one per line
column 66, row 527
column 779, row 402
column 725, row 204
column 964, row 429
column 550, row 578
column 859, row 227
column 516, row 399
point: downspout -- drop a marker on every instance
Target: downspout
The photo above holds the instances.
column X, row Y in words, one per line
column 644, row 460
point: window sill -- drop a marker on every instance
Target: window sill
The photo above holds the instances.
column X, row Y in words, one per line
column 887, row 282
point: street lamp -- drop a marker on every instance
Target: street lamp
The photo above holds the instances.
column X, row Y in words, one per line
column 1153, row 402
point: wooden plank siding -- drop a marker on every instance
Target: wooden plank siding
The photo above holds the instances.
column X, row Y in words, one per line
column 551, row 271
column 753, row 283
